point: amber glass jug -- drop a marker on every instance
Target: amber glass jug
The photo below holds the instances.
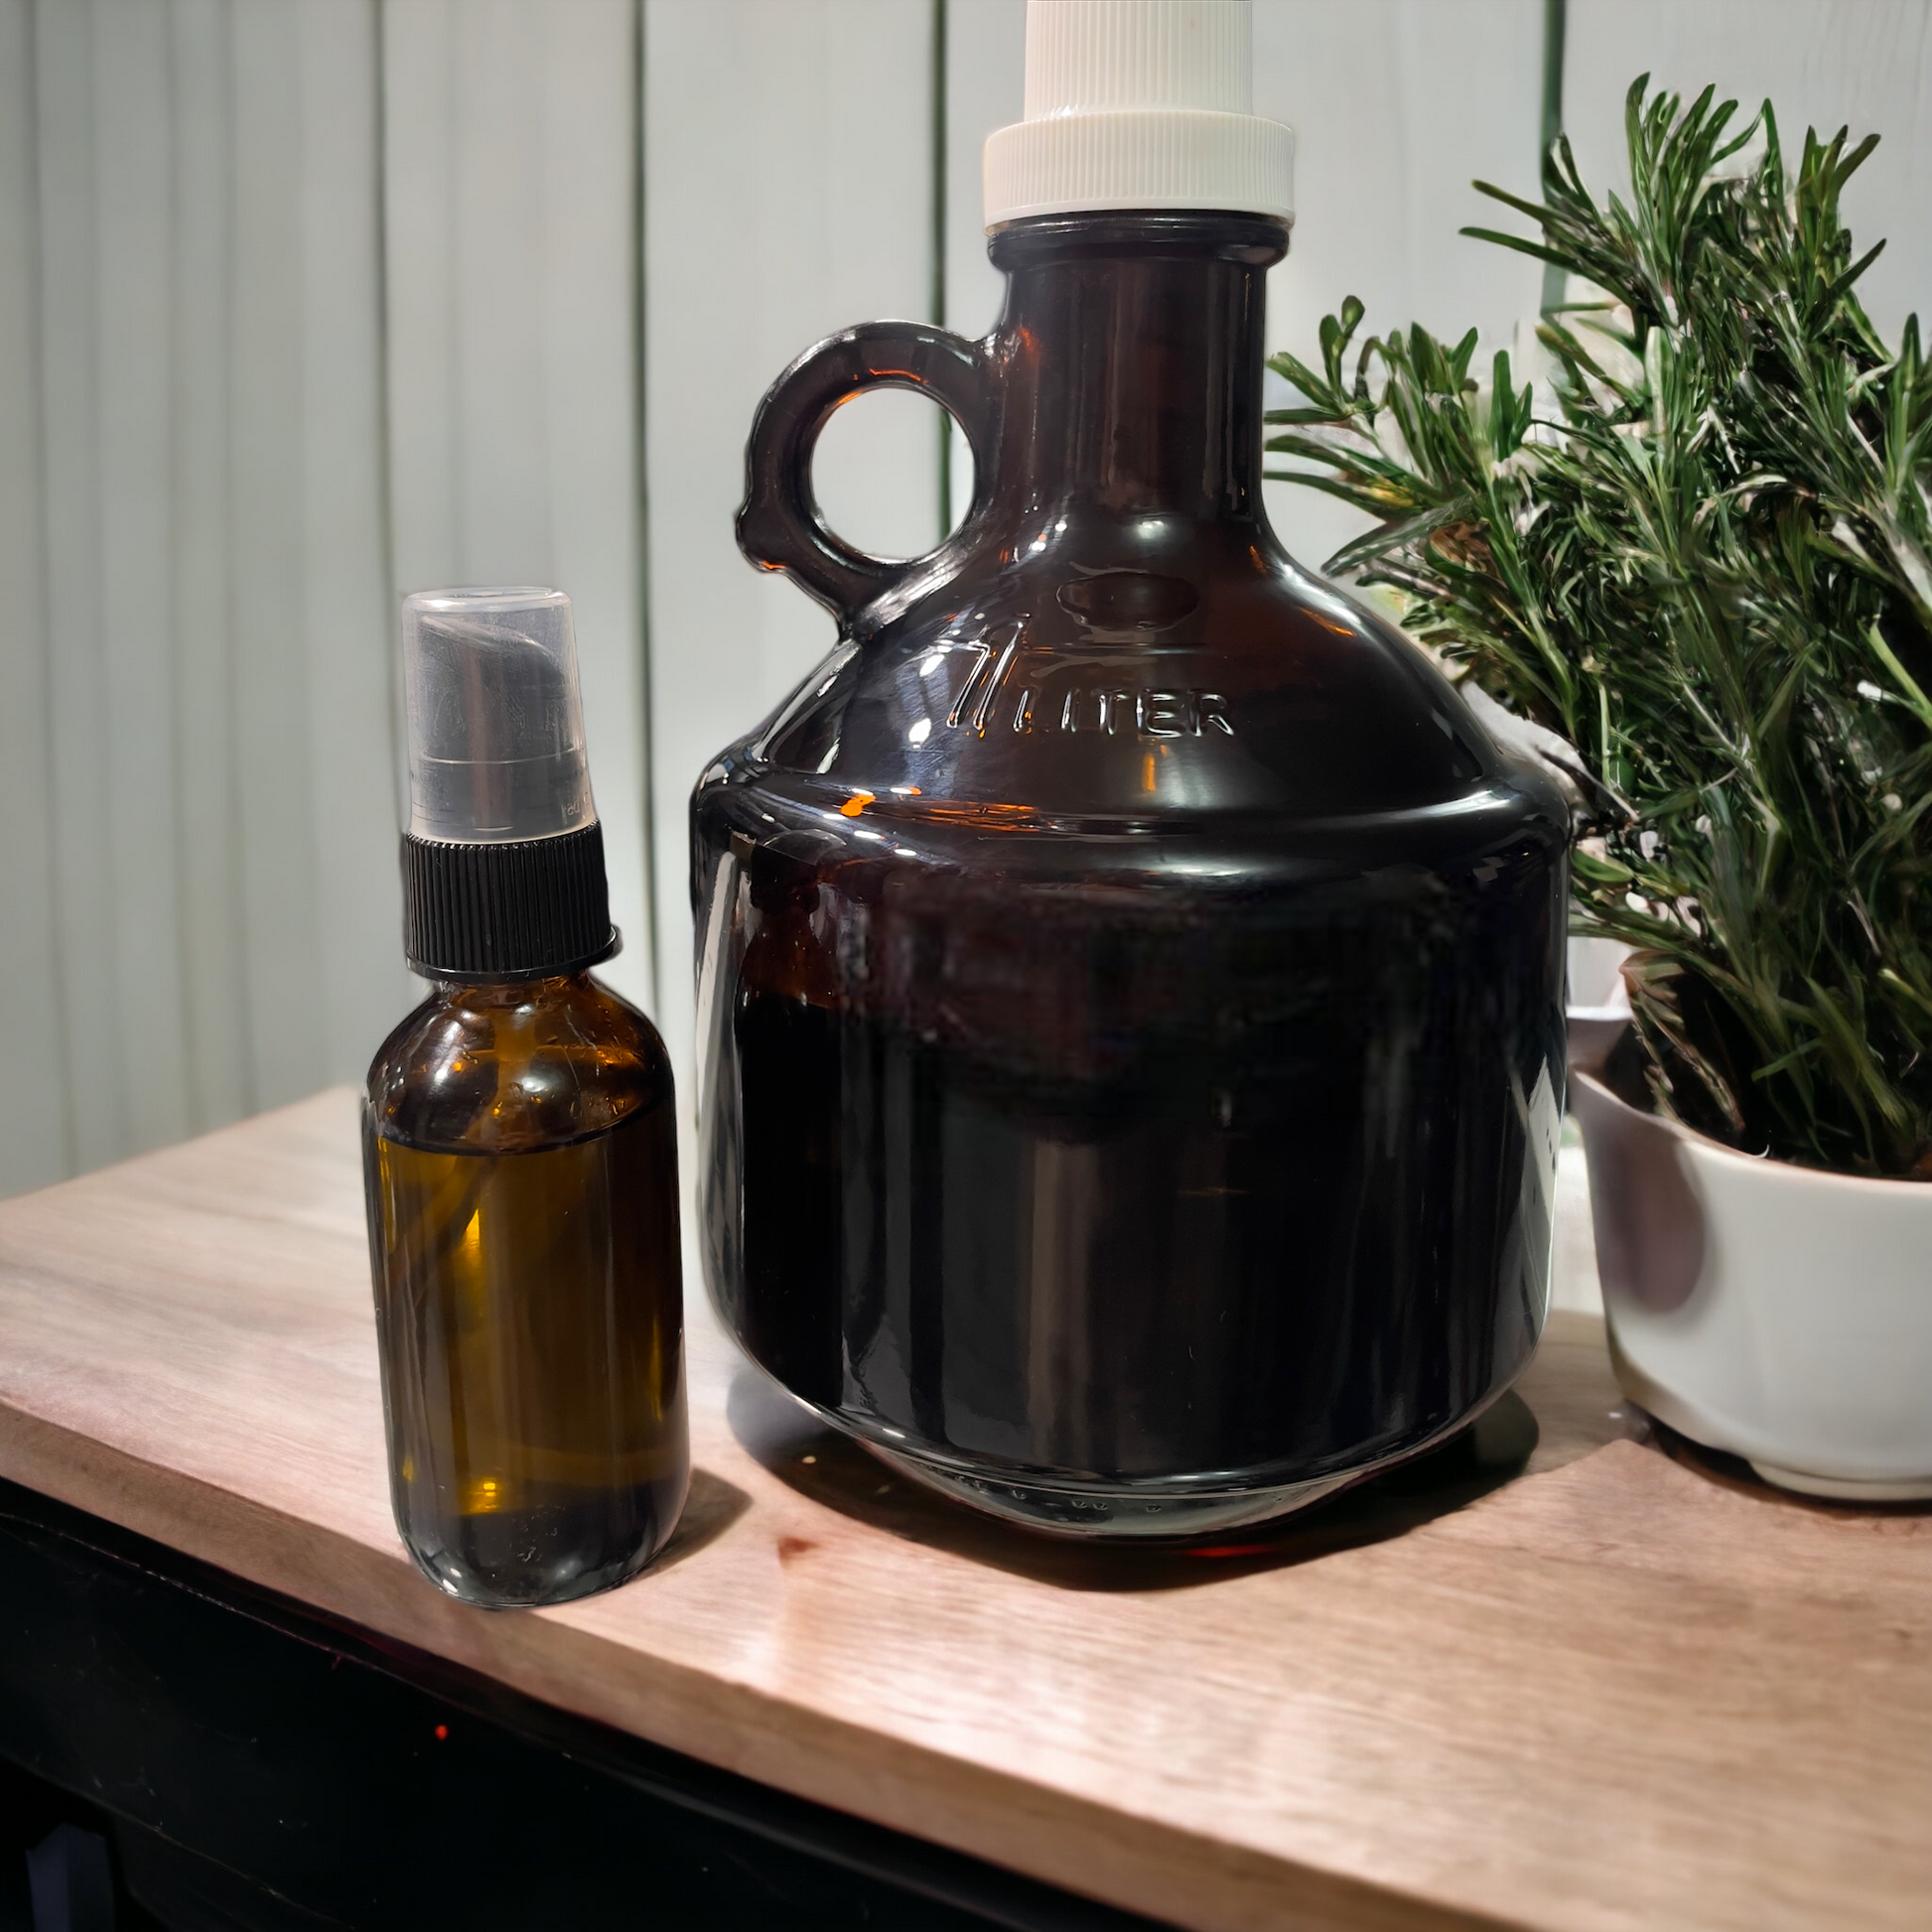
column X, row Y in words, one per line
column 1130, row 979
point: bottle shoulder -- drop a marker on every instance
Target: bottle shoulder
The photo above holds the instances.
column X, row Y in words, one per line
column 1212, row 677
column 515, row 1066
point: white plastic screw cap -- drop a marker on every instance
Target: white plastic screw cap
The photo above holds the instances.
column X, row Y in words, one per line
column 1140, row 104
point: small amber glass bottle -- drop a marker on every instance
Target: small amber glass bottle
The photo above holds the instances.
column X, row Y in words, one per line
column 520, row 1146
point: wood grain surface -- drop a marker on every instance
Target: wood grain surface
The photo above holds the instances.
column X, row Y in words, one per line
column 1609, row 1688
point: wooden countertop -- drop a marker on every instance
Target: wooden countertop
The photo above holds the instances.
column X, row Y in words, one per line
column 1618, row 1691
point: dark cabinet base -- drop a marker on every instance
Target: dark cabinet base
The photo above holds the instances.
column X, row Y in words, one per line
column 259, row 1766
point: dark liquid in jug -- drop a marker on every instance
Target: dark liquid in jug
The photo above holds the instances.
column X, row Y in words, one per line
column 1130, row 1009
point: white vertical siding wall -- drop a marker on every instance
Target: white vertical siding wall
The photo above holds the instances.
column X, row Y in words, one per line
column 309, row 736
column 300, row 302
column 36, row 1124
column 1397, row 105
column 196, row 886
column 787, row 192
column 204, row 713
column 512, row 211
column 307, row 302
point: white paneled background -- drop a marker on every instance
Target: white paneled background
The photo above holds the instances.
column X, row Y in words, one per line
column 307, row 303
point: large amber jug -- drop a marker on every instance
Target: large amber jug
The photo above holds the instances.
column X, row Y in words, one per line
column 1130, row 979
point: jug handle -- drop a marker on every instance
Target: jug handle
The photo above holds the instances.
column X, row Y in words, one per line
column 781, row 526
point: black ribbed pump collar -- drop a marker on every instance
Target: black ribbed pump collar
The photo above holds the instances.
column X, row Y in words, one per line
column 522, row 908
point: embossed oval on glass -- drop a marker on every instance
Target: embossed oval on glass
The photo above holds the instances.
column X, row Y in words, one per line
column 1129, row 1014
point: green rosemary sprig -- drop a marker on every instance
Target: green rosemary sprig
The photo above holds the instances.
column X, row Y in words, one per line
column 1706, row 562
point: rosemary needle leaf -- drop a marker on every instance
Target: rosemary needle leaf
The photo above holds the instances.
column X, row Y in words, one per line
column 1703, row 555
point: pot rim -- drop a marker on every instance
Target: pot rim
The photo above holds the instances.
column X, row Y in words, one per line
column 1756, row 1163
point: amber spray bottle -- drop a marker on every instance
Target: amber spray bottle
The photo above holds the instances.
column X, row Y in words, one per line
column 519, row 1143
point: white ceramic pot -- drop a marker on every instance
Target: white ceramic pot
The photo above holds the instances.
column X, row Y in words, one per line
column 1596, row 1002
column 1776, row 1311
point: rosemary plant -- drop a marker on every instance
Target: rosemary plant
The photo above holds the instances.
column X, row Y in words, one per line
column 1704, row 563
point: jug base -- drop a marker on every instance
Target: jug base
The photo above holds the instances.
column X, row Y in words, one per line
column 1128, row 1513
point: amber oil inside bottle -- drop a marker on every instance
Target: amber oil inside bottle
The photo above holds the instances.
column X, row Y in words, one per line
column 520, row 1150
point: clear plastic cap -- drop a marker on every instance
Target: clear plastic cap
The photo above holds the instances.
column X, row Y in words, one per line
column 495, row 723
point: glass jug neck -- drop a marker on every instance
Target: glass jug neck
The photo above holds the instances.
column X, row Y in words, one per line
column 1132, row 347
